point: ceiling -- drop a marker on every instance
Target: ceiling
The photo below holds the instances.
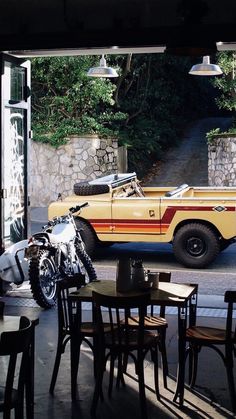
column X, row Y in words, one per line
column 186, row 27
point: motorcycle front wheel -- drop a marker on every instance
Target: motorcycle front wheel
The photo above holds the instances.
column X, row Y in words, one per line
column 85, row 265
column 42, row 277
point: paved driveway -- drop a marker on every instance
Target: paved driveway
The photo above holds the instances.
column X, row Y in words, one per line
column 188, row 163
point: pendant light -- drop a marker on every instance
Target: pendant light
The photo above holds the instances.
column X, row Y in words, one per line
column 205, row 68
column 102, row 70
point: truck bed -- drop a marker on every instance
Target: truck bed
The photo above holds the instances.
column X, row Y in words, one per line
column 191, row 192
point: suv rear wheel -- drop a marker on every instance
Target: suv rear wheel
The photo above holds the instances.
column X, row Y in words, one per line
column 196, row 245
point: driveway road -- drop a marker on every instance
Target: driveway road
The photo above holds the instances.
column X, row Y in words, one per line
column 188, row 162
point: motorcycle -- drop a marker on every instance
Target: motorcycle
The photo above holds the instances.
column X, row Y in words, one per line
column 56, row 252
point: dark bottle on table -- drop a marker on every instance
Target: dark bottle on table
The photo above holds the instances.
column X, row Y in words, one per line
column 123, row 275
column 137, row 273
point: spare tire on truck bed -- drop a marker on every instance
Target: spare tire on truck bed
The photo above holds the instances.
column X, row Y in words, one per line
column 84, row 188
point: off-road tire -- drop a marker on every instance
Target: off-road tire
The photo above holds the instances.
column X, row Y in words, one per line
column 87, row 267
column 36, row 287
column 88, row 236
column 84, row 189
column 196, row 245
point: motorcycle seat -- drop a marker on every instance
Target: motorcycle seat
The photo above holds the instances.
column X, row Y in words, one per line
column 52, row 238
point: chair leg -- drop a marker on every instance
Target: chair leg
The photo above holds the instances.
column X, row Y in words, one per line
column 142, row 396
column 154, row 356
column 29, row 386
column 98, row 385
column 74, row 366
column 111, row 375
column 189, row 355
column 7, row 414
column 120, row 371
column 195, row 351
column 162, row 348
column 56, row 366
column 230, row 376
column 19, row 412
column 125, row 362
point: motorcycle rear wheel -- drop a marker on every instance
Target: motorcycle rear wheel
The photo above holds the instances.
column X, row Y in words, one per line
column 42, row 279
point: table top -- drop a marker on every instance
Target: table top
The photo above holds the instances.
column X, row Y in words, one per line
column 168, row 293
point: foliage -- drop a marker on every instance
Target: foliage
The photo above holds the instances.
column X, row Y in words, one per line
column 65, row 101
column 211, row 134
column 227, row 82
column 216, row 132
column 226, row 85
column 146, row 107
column 155, row 93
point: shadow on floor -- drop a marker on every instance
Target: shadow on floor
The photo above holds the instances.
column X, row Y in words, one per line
column 211, row 401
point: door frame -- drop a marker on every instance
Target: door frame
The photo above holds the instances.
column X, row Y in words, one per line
column 25, row 105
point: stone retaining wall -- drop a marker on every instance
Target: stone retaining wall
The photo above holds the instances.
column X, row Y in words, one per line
column 54, row 171
column 222, row 161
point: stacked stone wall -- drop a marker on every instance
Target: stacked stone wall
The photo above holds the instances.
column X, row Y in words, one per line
column 222, row 161
column 55, row 171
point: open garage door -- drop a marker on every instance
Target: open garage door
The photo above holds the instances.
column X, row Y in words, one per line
column 15, row 129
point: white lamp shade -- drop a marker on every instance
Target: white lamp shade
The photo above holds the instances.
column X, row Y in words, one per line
column 102, row 70
column 206, row 68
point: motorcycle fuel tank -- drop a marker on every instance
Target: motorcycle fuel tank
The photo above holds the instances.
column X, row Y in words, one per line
column 64, row 232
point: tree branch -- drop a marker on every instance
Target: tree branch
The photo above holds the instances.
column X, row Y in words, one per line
column 139, row 111
column 121, row 78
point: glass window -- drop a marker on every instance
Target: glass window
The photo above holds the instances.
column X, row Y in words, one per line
column 14, row 82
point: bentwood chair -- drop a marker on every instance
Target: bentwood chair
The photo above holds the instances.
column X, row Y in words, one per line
column 15, row 349
column 121, row 340
column 159, row 324
column 85, row 333
column 2, row 306
column 221, row 340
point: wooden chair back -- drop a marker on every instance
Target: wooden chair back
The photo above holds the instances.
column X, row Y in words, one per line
column 66, row 315
column 117, row 340
column 64, row 287
column 116, row 311
column 15, row 345
column 2, row 306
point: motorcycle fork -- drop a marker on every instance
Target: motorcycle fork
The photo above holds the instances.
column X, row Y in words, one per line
column 57, row 258
column 79, row 244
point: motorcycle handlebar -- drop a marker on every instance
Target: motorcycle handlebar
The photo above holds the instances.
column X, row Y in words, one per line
column 57, row 220
column 78, row 207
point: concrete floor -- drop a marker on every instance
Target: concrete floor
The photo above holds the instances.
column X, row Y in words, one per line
column 212, row 400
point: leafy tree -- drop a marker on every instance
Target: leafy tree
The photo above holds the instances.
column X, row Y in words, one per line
column 227, row 82
column 65, row 101
column 159, row 97
column 146, row 107
column 226, row 85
